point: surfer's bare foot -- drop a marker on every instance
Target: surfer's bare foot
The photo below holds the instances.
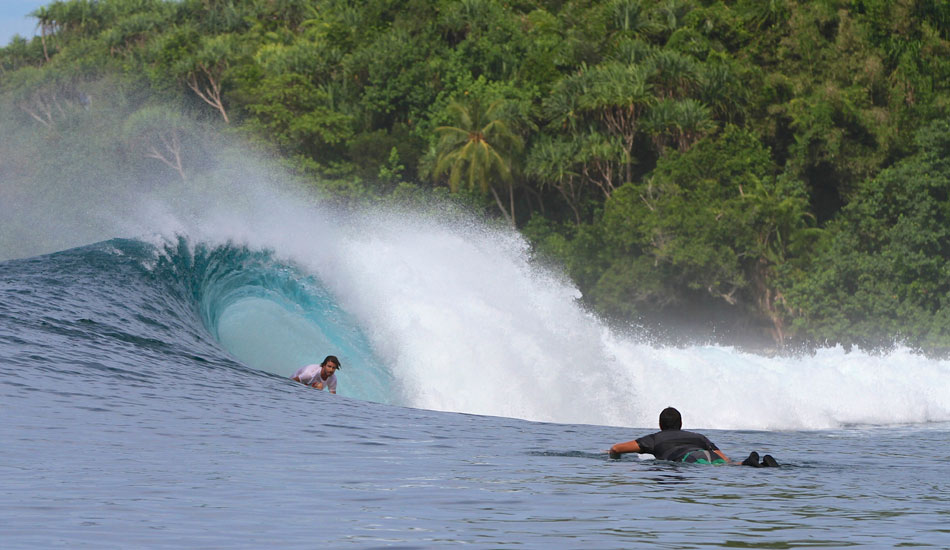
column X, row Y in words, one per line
column 769, row 461
column 753, row 460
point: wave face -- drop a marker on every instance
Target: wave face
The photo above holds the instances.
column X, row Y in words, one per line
column 435, row 315
column 266, row 313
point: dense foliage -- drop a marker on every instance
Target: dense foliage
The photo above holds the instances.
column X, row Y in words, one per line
column 754, row 169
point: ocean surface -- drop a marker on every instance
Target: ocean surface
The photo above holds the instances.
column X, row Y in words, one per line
column 145, row 403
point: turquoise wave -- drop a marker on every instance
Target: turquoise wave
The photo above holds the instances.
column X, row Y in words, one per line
column 266, row 313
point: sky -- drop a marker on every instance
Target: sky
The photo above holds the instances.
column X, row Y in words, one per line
column 14, row 18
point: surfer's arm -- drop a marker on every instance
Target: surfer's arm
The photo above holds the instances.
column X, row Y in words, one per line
column 719, row 453
column 623, row 448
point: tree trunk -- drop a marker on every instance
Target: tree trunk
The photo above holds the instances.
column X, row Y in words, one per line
column 767, row 303
column 210, row 94
column 501, row 206
column 172, row 146
column 511, row 202
column 43, row 40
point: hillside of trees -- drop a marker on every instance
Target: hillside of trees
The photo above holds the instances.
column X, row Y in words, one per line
column 768, row 173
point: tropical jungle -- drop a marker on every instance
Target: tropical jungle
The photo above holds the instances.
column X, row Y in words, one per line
column 773, row 174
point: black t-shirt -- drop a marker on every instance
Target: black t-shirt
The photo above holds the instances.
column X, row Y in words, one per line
column 674, row 444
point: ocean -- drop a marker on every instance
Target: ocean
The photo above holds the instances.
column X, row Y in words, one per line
column 145, row 400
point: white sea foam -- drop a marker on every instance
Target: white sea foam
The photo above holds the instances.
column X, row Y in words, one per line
column 468, row 324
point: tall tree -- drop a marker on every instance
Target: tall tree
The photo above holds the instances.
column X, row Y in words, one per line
column 618, row 95
column 672, row 74
column 477, row 147
column 626, row 16
column 158, row 133
column 201, row 63
column 44, row 20
column 48, row 95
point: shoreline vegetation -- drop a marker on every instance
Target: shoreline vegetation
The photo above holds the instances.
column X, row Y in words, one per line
column 769, row 175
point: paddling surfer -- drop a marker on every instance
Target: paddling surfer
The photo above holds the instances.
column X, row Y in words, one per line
column 319, row 376
column 678, row 445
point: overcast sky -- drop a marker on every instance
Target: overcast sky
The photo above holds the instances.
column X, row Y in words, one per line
column 14, row 18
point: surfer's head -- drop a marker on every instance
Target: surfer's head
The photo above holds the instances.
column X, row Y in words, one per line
column 331, row 361
column 670, row 419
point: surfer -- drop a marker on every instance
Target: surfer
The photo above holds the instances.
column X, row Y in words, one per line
column 678, row 445
column 319, row 376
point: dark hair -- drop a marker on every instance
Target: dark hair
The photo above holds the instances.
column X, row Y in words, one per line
column 331, row 358
column 670, row 419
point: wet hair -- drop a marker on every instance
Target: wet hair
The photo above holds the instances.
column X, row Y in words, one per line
column 670, row 419
column 331, row 358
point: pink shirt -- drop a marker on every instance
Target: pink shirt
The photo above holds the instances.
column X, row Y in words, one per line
column 310, row 375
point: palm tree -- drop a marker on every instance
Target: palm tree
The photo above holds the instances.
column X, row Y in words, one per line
column 721, row 89
column 562, row 105
column 627, row 16
column 205, row 71
column 672, row 74
column 552, row 161
column 658, row 123
column 671, row 15
column 602, row 156
column 477, row 147
column 619, row 94
column 44, row 18
column 682, row 123
column 631, row 52
column 467, row 17
column 693, row 122
column 767, row 13
column 75, row 18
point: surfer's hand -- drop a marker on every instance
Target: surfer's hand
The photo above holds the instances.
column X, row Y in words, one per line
column 612, row 453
